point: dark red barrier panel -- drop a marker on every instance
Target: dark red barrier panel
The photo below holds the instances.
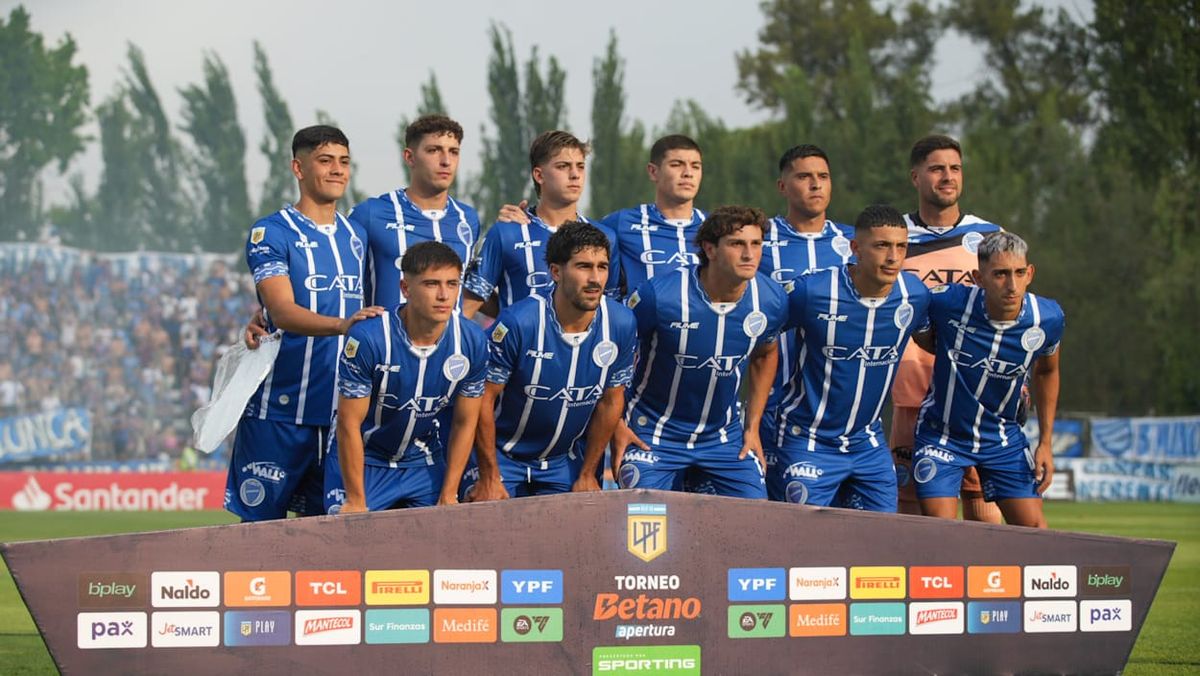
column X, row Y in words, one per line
column 618, row 582
column 111, row 491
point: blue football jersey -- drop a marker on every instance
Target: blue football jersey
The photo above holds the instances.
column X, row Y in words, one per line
column 512, row 261
column 324, row 266
column 787, row 254
column 408, row 385
column 650, row 244
column 849, row 350
column 551, row 382
column 694, row 355
column 980, row 367
column 393, row 223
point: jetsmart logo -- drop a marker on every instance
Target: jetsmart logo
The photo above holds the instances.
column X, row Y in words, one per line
column 320, row 624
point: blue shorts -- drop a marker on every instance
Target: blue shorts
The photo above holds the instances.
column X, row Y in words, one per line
column 715, row 470
column 385, row 487
column 275, row 468
column 865, row 480
column 938, row 471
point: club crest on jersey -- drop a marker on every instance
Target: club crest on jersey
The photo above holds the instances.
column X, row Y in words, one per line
column 1033, row 338
column 456, row 367
column 499, row 333
column 356, row 246
column 351, row 348
column 605, row 353
column 754, row 324
column 841, row 246
column 970, row 242
column 904, row 316
column 464, row 233
column 257, row 234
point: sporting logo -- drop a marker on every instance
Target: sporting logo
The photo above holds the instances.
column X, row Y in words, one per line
column 646, row 530
column 677, row 660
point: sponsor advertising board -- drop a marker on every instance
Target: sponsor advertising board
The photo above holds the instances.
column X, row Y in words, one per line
column 111, row 491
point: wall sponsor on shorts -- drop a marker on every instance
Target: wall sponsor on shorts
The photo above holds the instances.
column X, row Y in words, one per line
column 111, row 630
column 464, row 625
column 464, row 587
column 757, row 621
column 936, row 618
column 817, row 584
column 757, row 584
column 258, row 627
column 999, row 617
column 328, row 627
column 1050, row 617
column 877, row 582
column 531, row 586
column 671, row 660
column 1106, row 615
column 397, row 587
column 258, row 588
column 185, row 589
column 113, row 590
column 817, row 619
column 192, row 629
column 531, row 625
column 1049, row 581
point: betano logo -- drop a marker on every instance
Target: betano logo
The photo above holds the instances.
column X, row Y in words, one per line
column 877, row 582
column 613, row 606
column 994, row 582
column 397, row 587
column 646, row 531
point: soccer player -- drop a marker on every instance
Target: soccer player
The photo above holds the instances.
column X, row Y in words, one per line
column 397, row 373
column 942, row 241
column 307, row 266
column 852, row 322
column 560, row 361
column 511, row 261
column 987, row 340
column 660, row 236
column 802, row 241
column 701, row 330
column 422, row 212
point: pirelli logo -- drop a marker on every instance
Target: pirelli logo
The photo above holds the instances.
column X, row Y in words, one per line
column 397, row 587
column 877, row 582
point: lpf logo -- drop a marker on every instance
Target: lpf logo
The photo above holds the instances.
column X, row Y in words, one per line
column 646, row 531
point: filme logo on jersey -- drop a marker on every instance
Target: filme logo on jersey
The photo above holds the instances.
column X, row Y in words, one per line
column 531, row 586
column 113, row 590
column 258, row 588
column 685, row 326
column 877, row 619
column 646, row 530
column 762, row 621
column 935, row 582
column 1105, row 615
column 677, row 660
column 1042, row 581
column 757, row 584
column 328, row 627
column 877, row 582
column 185, row 589
column 110, row 630
column 247, row 628
column 464, row 625
column 817, row 619
column 328, row 587
column 1003, row 617
column 994, row 582
column 936, row 618
column 185, row 630
column 1049, row 616
column 817, row 584
column 464, row 587
column 531, row 625
column 1102, row 581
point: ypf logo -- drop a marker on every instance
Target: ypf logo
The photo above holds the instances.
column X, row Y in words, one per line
column 646, row 531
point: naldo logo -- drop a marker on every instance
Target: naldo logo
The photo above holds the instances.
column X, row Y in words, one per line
column 1050, row 581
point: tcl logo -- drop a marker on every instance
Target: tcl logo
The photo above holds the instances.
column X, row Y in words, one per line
column 328, row 587
column 936, row 582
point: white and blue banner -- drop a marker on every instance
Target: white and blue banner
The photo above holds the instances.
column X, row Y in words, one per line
column 56, row 434
column 1068, row 436
column 1154, row 439
column 1118, row 480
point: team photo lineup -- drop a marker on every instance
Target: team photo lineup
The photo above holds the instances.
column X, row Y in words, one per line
column 715, row 351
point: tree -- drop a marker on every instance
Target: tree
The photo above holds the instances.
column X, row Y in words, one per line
column 210, row 118
column 430, row 104
column 615, row 178
column 279, row 187
column 43, row 100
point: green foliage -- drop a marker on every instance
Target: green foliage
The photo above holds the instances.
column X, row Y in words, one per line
column 279, row 187
column 618, row 149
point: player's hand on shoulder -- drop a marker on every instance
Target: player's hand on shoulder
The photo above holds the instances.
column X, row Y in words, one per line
column 365, row 313
column 514, row 213
column 256, row 330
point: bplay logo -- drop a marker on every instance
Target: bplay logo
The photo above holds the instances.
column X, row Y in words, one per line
column 877, row 582
column 817, row 619
column 877, row 619
column 252, row 628
column 185, row 589
column 767, row 621
column 185, row 630
column 994, row 582
column 328, row 627
column 1003, row 617
column 464, row 625
column 113, row 590
column 935, row 582
column 816, row 584
column 1043, row 581
column 258, row 588
column 397, row 587
column 676, row 660
column 935, row 618
column 111, row 630
column 1105, row 616
column 1104, row 581
column 531, row 586
column 464, row 587
column 408, row 625
column 328, row 587
column 1049, row 616
column 531, row 625
column 757, row 584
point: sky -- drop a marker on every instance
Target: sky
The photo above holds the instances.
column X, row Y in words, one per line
column 364, row 62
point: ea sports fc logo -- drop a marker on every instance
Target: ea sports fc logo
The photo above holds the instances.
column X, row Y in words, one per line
column 646, row 531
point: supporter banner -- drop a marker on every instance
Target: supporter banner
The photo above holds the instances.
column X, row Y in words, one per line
column 1068, row 436
column 59, row 260
column 58, row 433
column 1158, row 439
column 1110, row 479
column 114, row 491
column 619, row 582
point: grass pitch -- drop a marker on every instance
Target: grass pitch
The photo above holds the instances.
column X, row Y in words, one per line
column 1169, row 642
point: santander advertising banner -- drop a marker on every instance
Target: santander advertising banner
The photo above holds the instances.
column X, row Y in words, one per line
column 115, row 491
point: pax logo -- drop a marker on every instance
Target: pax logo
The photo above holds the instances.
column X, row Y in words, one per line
column 328, row 588
column 397, row 587
column 185, row 630
column 328, row 627
column 817, row 619
column 258, row 588
column 935, row 582
column 111, row 630
column 935, row 618
column 757, row 584
column 464, row 587
column 1043, row 581
column 877, row 582
column 1049, row 616
column 816, row 584
column 185, row 589
column 464, row 625
column 531, row 586
column 1105, row 616
column 994, row 582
